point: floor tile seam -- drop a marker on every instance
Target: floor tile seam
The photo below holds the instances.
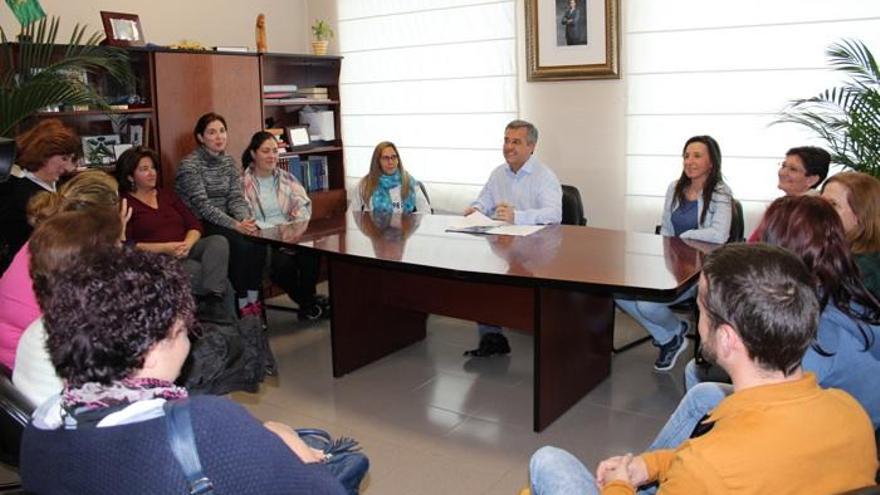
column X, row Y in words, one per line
column 624, row 410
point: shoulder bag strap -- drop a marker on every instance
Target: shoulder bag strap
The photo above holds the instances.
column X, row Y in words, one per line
column 183, row 444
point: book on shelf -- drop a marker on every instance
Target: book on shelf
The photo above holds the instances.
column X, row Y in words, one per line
column 317, row 173
column 311, row 172
column 286, row 101
column 279, row 88
column 279, row 94
column 316, row 92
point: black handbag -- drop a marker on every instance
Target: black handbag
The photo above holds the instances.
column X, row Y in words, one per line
column 343, row 457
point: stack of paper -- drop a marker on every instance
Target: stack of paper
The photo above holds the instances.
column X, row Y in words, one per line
column 477, row 223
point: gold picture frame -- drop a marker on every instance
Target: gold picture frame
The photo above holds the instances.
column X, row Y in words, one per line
column 568, row 44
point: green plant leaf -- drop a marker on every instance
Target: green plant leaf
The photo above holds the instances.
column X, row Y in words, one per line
column 846, row 117
column 36, row 72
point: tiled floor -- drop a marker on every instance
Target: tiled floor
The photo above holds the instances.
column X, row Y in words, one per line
column 433, row 422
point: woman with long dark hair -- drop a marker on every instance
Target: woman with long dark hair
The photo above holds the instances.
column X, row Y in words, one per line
column 698, row 206
column 276, row 198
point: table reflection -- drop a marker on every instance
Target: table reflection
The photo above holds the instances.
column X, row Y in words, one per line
column 388, row 232
column 288, row 232
column 525, row 254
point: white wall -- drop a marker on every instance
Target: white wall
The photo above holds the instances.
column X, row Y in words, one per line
column 210, row 22
column 582, row 134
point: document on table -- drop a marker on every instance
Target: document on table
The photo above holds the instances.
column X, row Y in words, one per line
column 477, row 223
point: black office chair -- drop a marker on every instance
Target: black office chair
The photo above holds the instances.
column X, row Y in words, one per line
column 15, row 412
column 737, row 222
column 427, row 198
column 572, row 206
column 737, row 234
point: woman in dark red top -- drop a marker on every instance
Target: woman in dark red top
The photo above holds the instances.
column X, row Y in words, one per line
column 161, row 223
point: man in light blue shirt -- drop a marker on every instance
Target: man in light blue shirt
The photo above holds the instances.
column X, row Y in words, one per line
column 521, row 191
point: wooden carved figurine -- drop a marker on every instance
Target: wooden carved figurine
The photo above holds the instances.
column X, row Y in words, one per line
column 261, row 34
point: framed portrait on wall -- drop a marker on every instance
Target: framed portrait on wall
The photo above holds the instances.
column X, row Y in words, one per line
column 572, row 39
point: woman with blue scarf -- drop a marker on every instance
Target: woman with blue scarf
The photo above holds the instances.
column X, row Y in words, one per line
column 388, row 188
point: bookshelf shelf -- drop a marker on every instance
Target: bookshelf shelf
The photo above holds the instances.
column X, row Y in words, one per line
column 309, row 71
column 84, row 113
column 310, row 151
column 298, row 103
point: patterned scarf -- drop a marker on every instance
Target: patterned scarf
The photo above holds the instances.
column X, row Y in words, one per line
column 93, row 401
column 381, row 199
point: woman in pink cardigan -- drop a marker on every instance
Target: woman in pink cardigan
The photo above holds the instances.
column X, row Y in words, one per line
column 18, row 305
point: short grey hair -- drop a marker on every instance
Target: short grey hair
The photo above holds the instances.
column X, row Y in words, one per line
column 531, row 130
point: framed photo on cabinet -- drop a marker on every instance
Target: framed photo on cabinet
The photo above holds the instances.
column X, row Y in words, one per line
column 572, row 39
column 122, row 29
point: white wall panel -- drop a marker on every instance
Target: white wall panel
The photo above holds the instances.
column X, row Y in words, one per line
column 792, row 46
column 428, row 27
column 468, row 131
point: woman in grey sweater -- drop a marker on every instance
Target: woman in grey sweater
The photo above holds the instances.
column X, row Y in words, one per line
column 209, row 182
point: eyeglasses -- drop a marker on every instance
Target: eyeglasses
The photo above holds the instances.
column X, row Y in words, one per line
column 389, row 158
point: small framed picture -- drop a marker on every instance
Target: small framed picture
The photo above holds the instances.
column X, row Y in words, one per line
column 122, row 29
column 136, row 135
column 119, row 149
column 298, row 135
column 98, row 150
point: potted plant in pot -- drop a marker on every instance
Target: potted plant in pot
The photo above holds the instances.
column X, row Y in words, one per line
column 322, row 33
column 846, row 117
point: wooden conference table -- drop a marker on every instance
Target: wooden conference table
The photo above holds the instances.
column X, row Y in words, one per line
column 388, row 273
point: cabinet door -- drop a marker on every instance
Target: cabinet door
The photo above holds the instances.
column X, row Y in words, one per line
column 189, row 85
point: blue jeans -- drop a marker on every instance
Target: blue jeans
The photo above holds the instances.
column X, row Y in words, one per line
column 696, row 403
column 656, row 317
column 554, row 471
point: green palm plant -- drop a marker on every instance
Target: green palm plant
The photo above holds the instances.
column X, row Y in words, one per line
column 36, row 73
column 846, row 117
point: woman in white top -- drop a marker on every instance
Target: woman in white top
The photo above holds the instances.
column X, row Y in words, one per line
column 388, row 188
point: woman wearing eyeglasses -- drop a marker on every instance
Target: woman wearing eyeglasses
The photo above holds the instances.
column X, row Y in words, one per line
column 801, row 172
column 388, row 188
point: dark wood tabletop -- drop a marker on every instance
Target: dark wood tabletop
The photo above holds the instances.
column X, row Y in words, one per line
column 622, row 262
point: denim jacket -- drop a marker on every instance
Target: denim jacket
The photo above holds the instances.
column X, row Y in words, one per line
column 715, row 228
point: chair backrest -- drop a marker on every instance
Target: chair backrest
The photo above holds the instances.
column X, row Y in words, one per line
column 572, row 206
column 15, row 412
column 425, row 192
column 737, row 223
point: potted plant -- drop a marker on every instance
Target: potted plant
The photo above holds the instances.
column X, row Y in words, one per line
column 846, row 117
column 322, row 33
column 35, row 73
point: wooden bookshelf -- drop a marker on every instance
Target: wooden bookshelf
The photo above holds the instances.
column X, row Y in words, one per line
column 175, row 87
column 309, row 71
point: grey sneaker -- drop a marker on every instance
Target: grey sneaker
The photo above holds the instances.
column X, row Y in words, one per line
column 670, row 351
